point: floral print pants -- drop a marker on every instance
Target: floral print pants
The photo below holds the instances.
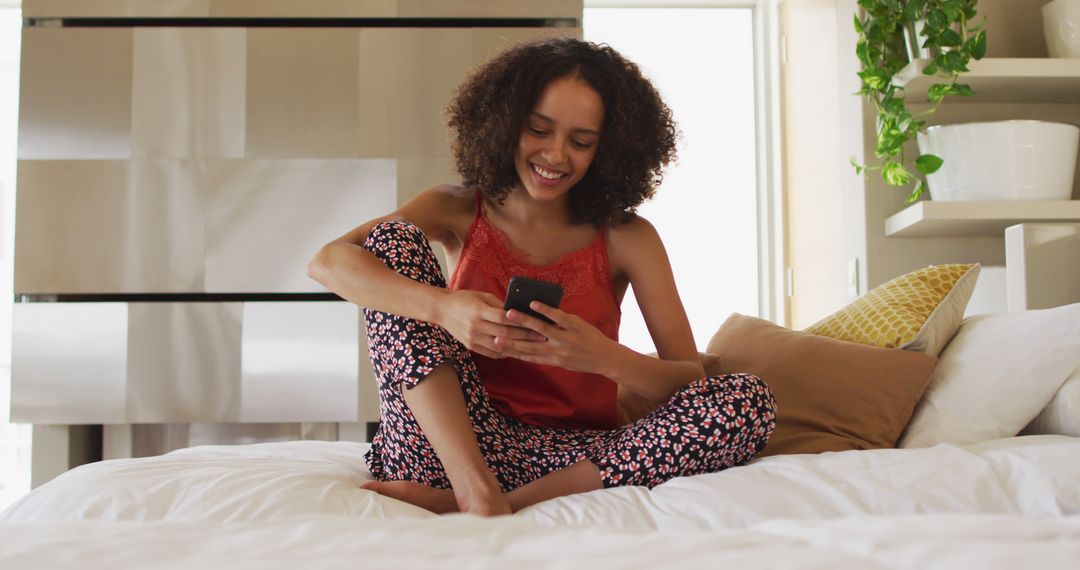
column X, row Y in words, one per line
column 709, row 425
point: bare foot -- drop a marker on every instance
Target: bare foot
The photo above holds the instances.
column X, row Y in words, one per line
column 484, row 504
column 439, row 501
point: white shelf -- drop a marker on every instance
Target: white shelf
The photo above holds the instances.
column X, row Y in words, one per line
column 965, row 219
column 1003, row 80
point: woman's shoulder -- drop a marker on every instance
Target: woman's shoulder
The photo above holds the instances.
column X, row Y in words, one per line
column 447, row 209
column 452, row 195
column 443, row 212
column 632, row 233
column 633, row 243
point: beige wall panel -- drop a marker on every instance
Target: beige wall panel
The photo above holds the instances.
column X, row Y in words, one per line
column 267, row 218
column 414, row 175
column 1014, row 28
column 304, row 8
column 490, row 9
column 813, row 161
column 165, row 241
column 58, row 204
column 183, row 362
column 853, row 114
column 68, row 362
column 188, row 93
column 302, row 93
column 300, row 362
column 75, row 94
column 110, row 226
column 158, row 439
column 115, row 8
column 488, row 43
column 408, row 76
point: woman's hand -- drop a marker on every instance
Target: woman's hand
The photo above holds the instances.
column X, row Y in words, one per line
column 572, row 343
column 476, row 318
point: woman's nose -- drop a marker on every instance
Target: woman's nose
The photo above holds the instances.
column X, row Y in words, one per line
column 554, row 152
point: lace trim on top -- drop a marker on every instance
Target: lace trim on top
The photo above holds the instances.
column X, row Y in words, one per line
column 578, row 271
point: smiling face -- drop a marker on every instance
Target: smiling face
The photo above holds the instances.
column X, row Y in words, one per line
column 559, row 138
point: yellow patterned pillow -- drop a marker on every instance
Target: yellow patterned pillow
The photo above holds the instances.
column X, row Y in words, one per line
column 919, row 311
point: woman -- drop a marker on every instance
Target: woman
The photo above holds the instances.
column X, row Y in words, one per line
column 488, row 411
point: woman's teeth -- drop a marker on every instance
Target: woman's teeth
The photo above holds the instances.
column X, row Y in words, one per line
column 548, row 174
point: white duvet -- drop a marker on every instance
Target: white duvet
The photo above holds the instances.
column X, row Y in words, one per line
column 334, row 541
column 1002, row 504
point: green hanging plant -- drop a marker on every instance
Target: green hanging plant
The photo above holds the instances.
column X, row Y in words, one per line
column 883, row 51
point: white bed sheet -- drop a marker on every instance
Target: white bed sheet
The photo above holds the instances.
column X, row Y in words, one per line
column 457, row 541
column 1032, row 476
column 1037, row 476
column 1007, row 503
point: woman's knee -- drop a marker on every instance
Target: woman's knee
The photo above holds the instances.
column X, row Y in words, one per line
column 390, row 234
column 739, row 385
column 754, row 388
column 743, row 397
column 403, row 247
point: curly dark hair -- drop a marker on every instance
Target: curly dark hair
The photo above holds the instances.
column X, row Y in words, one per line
column 637, row 138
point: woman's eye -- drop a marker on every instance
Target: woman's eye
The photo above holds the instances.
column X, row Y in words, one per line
column 581, row 145
column 537, row 132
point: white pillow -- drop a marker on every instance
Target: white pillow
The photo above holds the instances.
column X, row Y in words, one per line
column 1062, row 415
column 995, row 376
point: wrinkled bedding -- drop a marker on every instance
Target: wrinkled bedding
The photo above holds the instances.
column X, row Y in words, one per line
column 457, row 541
column 1005, row 503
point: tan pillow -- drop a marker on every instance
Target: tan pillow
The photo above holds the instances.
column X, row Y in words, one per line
column 918, row 311
column 831, row 395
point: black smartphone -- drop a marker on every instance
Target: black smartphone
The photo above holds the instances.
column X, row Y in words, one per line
column 521, row 291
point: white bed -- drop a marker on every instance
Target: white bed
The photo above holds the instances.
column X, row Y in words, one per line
column 1028, row 475
column 964, row 491
column 1001, row 504
column 927, row 542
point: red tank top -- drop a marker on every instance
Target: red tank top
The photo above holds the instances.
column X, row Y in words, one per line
column 536, row 393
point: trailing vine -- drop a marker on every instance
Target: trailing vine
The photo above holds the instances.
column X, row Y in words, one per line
column 882, row 51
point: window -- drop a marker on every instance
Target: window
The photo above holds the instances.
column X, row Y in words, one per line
column 14, row 438
column 702, row 62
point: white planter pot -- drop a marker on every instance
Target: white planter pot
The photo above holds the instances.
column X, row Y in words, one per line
column 1006, row 160
column 1061, row 24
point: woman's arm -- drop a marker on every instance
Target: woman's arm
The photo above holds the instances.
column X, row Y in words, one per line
column 639, row 253
column 354, row 273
